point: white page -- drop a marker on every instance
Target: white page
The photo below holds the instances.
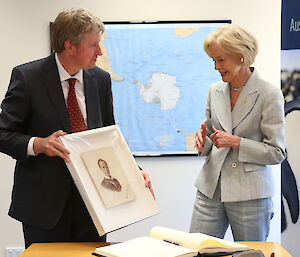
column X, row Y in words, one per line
column 145, row 247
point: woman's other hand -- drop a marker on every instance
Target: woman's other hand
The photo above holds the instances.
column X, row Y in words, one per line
column 200, row 138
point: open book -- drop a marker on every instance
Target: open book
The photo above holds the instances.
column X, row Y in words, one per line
column 165, row 242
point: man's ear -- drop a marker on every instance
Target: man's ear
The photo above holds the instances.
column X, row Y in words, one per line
column 68, row 45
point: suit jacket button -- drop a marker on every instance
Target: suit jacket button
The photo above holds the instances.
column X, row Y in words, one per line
column 233, row 165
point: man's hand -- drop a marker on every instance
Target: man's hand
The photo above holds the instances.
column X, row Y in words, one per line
column 148, row 182
column 51, row 147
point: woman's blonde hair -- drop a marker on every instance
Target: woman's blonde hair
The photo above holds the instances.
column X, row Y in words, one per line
column 72, row 25
column 235, row 41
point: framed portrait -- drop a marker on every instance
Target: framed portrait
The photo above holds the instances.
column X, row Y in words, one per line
column 108, row 178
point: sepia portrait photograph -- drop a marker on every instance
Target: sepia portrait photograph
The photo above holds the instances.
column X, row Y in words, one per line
column 108, row 176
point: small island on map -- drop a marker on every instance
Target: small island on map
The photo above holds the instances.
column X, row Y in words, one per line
column 162, row 89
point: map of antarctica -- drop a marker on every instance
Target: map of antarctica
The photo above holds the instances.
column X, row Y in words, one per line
column 160, row 79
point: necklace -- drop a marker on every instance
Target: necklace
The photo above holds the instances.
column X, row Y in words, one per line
column 236, row 88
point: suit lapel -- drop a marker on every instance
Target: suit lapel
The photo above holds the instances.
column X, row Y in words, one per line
column 246, row 101
column 92, row 100
column 54, row 89
column 222, row 107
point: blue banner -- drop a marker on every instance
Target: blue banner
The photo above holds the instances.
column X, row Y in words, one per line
column 290, row 24
column 290, row 86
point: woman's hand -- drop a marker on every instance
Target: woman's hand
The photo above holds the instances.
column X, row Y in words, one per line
column 223, row 139
column 200, row 138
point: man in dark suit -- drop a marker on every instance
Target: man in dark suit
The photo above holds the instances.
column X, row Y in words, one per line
column 35, row 113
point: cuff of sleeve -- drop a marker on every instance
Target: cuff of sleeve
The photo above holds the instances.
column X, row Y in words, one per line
column 30, row 151
column 244, row 149
column 207, row 147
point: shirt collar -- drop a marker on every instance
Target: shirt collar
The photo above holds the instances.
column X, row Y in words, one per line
column 64, row 75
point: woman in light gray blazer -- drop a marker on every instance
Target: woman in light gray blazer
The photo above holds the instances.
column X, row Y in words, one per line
column 242, row 135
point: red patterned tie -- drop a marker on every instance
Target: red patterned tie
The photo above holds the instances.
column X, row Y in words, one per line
column 76, row 118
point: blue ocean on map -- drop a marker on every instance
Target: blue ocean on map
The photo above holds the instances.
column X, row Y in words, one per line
column 159, row 102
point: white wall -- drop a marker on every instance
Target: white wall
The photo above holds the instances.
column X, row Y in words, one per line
column 25, row 36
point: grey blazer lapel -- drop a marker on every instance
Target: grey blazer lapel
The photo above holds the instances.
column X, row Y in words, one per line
column 245, row 102
column 54, row 88
column 92, row 100
column 222, row 107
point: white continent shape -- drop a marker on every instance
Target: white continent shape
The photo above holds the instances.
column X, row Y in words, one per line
column 161, row 89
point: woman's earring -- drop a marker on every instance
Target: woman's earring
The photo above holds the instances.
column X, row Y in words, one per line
column 242, row 59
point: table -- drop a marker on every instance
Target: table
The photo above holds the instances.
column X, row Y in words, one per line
column 86, row 249
column 268, row 248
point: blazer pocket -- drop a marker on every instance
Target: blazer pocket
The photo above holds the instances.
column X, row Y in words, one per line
column 253, row 167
